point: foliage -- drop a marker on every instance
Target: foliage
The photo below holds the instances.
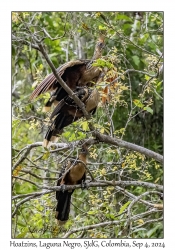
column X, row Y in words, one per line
column 131, row 109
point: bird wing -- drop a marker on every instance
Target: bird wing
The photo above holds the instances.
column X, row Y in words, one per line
column 92, row 101
column 50, row 82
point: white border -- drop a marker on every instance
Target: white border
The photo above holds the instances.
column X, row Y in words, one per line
column 5, row 97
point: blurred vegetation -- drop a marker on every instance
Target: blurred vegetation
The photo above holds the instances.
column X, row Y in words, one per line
column 133, row 112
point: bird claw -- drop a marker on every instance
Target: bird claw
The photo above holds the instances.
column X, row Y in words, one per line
column 62, row 188
column 69, row 99
column 79, row 87
column 84, row 185
column 97, row 140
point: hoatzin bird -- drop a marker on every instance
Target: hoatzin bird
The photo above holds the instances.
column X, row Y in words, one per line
column 74, row 73
column 74, row 172
column 67, row 112
column 78, row 75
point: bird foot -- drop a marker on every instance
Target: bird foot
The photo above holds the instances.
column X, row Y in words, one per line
column 97, row 140
column 84, row 185
column 62, row 188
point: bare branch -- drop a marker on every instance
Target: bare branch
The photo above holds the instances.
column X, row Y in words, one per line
column 58, row 146
column 105, row 224
column 37, row 176
column 25, row 42
column 101, row 138
column 99, row 184
column 147, row 222
column 23, row 157
column 132, row 70
column 136, row 200
column 132, row 196
column 128, row 145
column 29, row 198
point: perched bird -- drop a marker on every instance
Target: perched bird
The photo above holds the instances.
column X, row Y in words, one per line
column 74, row 172
column 80, row 76
column 67, row 111
column 74, row 73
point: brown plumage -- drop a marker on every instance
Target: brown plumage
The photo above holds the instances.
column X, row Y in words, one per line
column 73, row 173
column 74, row 73
column 67, row 112
column 78, row 75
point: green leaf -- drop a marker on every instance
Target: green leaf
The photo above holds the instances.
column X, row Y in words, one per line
column 110, row 216
column 66, row 134
column 139, row 229
column 81, row 135
column 147, row 77
column 92, row 212
column 144, row 38
column 15, row 123
column 46, row 155
column 102, row 27
column 21, row 224
column 149, row 110
column 153, row 230
column 124, row 17
column 127, row 27
column 124, row 207
column 136, row 60
column 24, row 188
column 72, row 137
column 17, row 187
column 85, row 125
column 138, row 103
column 53, row 54
column 23, row 234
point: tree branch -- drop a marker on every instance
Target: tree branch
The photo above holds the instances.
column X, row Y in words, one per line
column 98, row 184
column 20, row 40
column 107, row 223
column 135, row 71
column 32, row 196
column 148, row 221
column 133, row 197
column 58, row 146
column 128, row 145
column 100, row 137
column 70, row 187
column 63, row 84
column 136, row 200
column 28, row 148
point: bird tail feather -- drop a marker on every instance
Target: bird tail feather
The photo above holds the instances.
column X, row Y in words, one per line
column 63, row 206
